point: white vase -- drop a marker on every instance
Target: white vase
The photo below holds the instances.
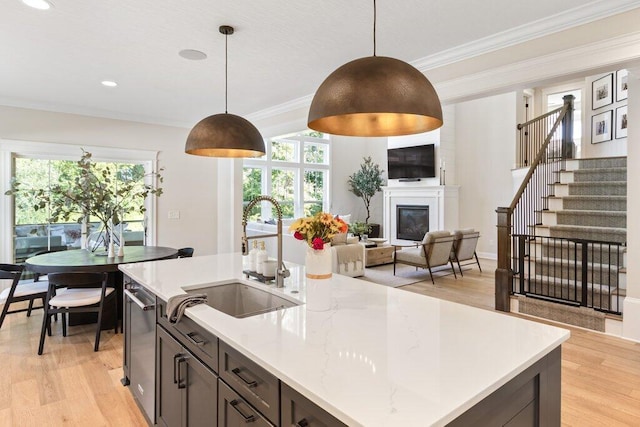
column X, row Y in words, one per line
column 318, row 262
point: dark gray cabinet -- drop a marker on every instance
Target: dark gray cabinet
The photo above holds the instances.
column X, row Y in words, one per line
column 186, row 390
column 234, row 411
column 257, row 386
column 297, row 410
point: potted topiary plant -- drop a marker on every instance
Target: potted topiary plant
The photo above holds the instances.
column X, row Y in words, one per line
column 365, row 183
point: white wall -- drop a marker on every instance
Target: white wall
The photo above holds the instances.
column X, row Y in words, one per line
column 189, row 181
column 485, row 132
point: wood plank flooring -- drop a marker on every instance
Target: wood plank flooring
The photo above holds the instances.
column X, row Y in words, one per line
column 71, row 385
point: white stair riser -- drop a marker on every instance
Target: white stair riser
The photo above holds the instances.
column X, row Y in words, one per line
column 560, row 190
column 549, row 218
column 566, row 177
column 556, row 204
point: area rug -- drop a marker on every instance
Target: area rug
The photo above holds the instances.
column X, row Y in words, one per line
column 405, row 275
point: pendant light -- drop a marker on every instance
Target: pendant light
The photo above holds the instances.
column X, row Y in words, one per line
column 224, row 134
column 375, row 96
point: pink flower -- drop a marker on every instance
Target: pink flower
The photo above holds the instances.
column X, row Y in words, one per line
column 317, row 243
column 298, row 235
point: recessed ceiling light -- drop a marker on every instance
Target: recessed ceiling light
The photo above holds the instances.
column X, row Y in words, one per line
column 38, row 4
column 109, row 83
column 192, row 54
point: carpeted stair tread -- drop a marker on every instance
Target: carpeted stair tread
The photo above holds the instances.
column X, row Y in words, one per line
column 589, row 212
column 598, row 188
column 593, row 202
column 601, row 234
column 601, row 162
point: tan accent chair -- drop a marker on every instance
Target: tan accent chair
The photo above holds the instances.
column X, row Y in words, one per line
column 434, row 251
column 464, row 247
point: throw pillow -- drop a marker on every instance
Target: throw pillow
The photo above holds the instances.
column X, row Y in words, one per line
column 339, row 239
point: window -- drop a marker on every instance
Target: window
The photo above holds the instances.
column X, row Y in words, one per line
column 295, row 171
column 38, row 165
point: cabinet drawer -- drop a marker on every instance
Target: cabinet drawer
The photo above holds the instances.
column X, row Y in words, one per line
column 297, row 410
column 253, row 383
column 233, row 410
column 202, row 343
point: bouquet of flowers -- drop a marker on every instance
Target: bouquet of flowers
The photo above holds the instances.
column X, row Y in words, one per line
column 318, row 229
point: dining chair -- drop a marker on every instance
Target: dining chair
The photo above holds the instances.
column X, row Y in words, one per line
column 77, row 293
column 185, row 252
column 17, row 291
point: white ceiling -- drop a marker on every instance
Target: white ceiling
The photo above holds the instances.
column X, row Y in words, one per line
column 281, row 51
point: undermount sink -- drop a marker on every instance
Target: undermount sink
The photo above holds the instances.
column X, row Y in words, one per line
column 240, row 300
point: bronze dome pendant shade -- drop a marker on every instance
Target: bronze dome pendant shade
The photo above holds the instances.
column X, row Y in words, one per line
column 224, row 134
column 375, row 96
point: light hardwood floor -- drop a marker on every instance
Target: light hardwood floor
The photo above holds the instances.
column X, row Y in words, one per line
column 73, row 386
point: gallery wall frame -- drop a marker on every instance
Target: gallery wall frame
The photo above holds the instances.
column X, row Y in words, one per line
column 602, row 91
column 601, row 130
column 621, row 85
column 621, row 122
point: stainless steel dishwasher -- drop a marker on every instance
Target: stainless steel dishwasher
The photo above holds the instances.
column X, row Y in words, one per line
column 139, row 346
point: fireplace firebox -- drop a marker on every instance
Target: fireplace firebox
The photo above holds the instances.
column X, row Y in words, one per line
column 412, row 222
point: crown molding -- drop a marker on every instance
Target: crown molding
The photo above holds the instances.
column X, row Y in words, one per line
column 553, row 24
column 285, row 107
column 588, row 13
column 601, row 55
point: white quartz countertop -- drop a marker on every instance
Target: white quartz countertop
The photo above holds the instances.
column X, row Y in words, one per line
column 369, row 354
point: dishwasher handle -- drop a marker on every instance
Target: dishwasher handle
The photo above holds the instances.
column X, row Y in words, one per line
column 135, row 299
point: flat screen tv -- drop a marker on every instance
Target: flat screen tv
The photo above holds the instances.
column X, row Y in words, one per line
column 411, row 162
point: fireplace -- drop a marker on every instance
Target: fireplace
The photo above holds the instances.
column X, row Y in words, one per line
column 412, row 222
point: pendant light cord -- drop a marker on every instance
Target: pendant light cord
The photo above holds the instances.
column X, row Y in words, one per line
column 226, row 79
column 374, row 27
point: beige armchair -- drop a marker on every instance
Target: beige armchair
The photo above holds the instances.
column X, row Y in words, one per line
column 433, row 251
column 464, row 247
column 348, row 256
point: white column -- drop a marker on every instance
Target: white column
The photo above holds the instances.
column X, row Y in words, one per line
column 631, row 317
column 229, row 205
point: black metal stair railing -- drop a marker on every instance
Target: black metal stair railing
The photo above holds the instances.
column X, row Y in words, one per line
column 570, row 271
column 577, row 272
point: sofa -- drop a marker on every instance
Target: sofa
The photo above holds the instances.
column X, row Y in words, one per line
column 347, row 256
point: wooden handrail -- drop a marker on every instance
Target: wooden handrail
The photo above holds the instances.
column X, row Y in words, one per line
column 539, row 156
column 539, row 118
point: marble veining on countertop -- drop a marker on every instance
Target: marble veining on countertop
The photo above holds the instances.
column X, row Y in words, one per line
column 368, row 354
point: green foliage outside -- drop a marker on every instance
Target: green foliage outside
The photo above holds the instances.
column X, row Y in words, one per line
column 366, row 182
column 62, row 191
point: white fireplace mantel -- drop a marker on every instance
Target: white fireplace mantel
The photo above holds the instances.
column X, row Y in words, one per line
column 442, row 201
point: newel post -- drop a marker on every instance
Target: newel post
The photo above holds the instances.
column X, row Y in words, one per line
column 504, row 273
column 567, row 128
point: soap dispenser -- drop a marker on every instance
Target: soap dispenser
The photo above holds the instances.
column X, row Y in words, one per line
column 261, row 257
column 253, row 253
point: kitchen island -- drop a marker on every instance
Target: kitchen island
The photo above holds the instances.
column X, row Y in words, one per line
column 373, row 355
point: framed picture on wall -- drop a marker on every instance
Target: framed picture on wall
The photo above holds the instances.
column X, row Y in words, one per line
column 602, row 91
column 621, row 85
column 601, row 127
column 621, row 122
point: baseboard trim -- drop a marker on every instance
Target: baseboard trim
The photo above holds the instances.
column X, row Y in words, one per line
column 487, row 255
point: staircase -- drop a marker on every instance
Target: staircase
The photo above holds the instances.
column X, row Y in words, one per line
column 585, row 219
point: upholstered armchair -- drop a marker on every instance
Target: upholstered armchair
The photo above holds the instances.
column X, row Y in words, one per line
column 348, row 256
column 464, row 248
column 434, row 251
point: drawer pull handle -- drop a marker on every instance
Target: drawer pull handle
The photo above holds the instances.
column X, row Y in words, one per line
column 247, row 418
column 181, row 359
column 249, row 384
column 192, row 337
column 302, row 423
column 175, row 370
